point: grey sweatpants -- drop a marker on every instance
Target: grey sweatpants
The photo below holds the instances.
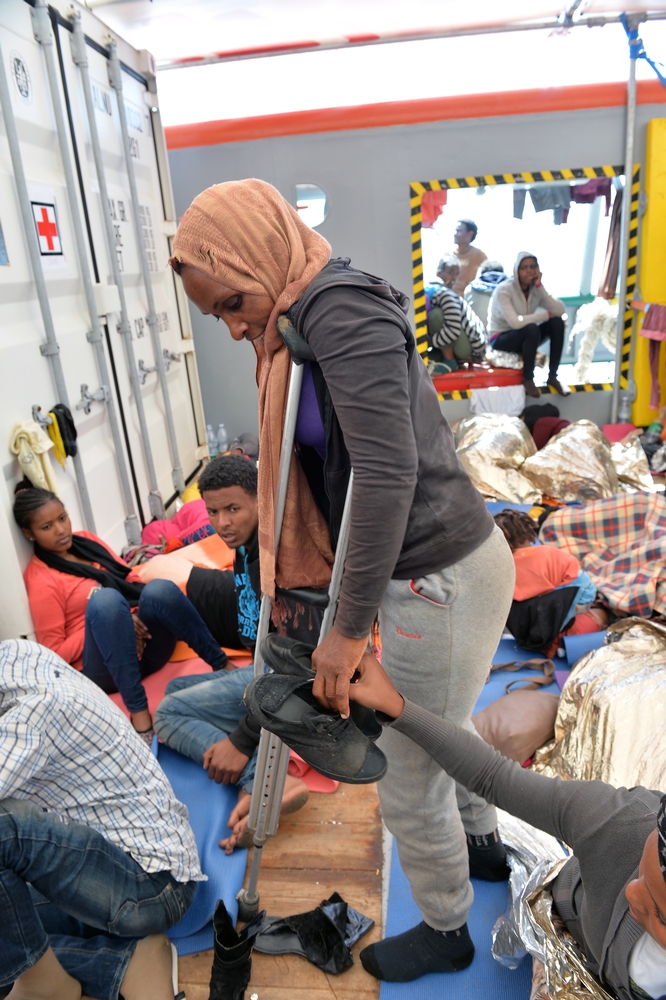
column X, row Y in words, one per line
column 439, row 634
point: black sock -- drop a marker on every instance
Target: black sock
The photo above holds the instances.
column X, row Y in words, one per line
column 417, row 952
column 487, row 857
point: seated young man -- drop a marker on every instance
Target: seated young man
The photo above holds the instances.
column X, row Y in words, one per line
column 97, row 857
column 455, row 331
column 611, row 894
column 203, row 717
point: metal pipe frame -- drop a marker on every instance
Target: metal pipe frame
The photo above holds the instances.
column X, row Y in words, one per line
column 41, row 23
column 630, row 138
column 561, row 24
column 50, row 349
column 80, row 57
column 115, row 79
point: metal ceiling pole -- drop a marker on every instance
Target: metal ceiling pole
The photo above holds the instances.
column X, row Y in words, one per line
column 624, row 228
column 115, row 79
column 41, row 23
column 80, row 57
column 50, row 349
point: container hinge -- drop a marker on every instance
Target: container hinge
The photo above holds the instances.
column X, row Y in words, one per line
column 102, row 395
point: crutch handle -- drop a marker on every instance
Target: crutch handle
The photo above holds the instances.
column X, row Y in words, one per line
column 306, row 595
column 298, row 348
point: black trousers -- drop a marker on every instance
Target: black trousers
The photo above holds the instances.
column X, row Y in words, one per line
column 526, row 341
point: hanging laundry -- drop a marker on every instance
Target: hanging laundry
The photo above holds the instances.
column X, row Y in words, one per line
column 67, row 429
column 518, row 202
column 587, row 194
column 608, row 281
column 53, row 431
column 560, row 216
column 30, row 444
column 432, row 205
column 654, row 330
column 550, row 196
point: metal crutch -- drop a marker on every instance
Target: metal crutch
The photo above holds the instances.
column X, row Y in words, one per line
column 273, row 756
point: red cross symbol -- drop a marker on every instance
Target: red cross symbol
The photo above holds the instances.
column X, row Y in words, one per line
column 47, row 228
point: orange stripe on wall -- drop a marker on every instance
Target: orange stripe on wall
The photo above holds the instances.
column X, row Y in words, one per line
column 517, row 102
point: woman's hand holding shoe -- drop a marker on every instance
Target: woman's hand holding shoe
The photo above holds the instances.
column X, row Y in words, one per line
column 372, row 688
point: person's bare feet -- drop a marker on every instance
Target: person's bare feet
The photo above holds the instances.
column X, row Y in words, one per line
column 294, row 797
column 46, row 980
column 149, row 973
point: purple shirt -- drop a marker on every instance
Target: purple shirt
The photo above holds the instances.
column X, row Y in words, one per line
column 309, row 426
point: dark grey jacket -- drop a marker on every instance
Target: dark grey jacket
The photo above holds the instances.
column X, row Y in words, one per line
column 414, row 508
column 605, row 827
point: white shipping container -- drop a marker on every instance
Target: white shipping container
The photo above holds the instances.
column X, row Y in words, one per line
column 130, row 472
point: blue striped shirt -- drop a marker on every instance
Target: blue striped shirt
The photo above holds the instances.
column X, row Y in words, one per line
column 66, row 747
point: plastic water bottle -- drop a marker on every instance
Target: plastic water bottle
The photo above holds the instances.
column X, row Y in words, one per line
column 212, row 440
column 222, row 439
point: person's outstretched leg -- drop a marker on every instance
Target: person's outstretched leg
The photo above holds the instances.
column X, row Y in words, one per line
column 525, row 342
column 90, row 880
column 110, row 653
column 439, row 635
column 554, row 331
column 199, row 711
column 169, row 616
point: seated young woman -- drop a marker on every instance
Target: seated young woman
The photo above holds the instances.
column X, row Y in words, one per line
column 94, row 612
column 611, row 894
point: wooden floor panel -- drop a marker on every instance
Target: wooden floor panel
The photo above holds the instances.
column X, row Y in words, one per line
column 333, row 844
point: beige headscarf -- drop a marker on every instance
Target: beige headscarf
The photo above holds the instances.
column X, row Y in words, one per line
column 245, row 235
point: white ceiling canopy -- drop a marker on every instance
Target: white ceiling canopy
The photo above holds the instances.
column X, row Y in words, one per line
column 208, row 31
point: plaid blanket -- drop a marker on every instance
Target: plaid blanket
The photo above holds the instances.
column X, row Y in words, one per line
column 621, row 543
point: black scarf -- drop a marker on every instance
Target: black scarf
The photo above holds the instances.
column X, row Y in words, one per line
column 113, row 574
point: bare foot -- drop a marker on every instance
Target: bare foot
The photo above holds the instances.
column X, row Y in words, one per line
column 294, row 797
column 46, row 980
column 148, row 975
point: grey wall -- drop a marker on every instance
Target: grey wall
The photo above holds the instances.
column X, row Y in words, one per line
column 366, row 175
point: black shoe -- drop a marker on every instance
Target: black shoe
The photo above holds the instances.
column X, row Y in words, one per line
column 530, row 388
column 487, row 857
column 232, row 956
column 332, row 745
column 417, row 952
column 563, row 390
column 294, row 658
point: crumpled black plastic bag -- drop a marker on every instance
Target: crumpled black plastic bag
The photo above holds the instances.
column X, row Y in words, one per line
column 324, row 935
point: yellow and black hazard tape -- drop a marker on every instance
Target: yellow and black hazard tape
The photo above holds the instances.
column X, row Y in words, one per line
column 458, row 394
column 632, row 261
column 418, row 188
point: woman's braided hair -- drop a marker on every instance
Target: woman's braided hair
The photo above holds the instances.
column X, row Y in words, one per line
column 518, row 528
column 27, row 500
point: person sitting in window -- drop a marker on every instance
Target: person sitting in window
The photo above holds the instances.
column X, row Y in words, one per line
column 470, row 258
column 94, row 612
column 97, row 857
column 455, row 331
column 522, row 316
column 478, row 292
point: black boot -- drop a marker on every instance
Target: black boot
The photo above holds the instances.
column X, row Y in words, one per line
column 232, row 958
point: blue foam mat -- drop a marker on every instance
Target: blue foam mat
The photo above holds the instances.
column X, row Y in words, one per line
column 485, row 978
column 209, row 806
column 577, row 645
column 496, row 506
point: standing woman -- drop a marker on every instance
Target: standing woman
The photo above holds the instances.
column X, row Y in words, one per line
column 423, row 550
column 94, row 612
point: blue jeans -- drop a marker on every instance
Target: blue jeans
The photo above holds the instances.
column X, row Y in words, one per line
column 109, row 652
column 63, row 884
column 201, row 710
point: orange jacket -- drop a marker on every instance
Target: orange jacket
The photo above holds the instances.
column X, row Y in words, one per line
column 58, row 603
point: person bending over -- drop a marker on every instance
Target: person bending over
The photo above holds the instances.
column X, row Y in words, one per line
column 203, row 716
column 455, row 331
column 423, row 549
column 611, row 894
column 97, row 857
column 470, row 258
column 541, row 570
column 523, row 315
column 95, row 613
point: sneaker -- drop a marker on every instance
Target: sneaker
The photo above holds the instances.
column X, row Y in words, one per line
column 332, row 745
column 294, row 658
column 563, row 390
column 530, row 388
